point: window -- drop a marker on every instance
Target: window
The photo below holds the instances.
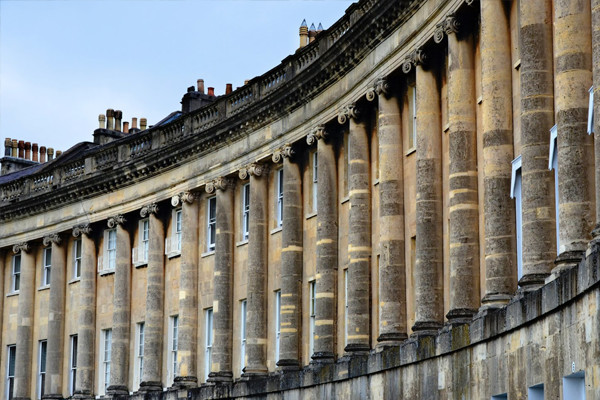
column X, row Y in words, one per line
column 173, row 243
column 315, row 165
column 311, row 307
column 536, row 392
column 73, row 365
column 574, row 386
column 279, row 175
column 412, row 113
column 178, row 229
column 277, row 323
column 139, row 354
column 10, row 371
column 105, row 355
column 211, row 218
column 245, row 211
column 41, row 378
column 209, row 342
column 243, row 336
column 515, row 193
column 503, row 396
column 553, row 165
column 16, row 273
column 47, row 266
column 139, row 255
column 173, row 346
column 77, row 259
column 346, row 306
column 590, row 124
column 108, row 261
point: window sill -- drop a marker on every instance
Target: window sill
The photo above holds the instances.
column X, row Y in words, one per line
column 74, row 280
column 274, row 231
column 173, row 254
column 311, row 215
column 106, row 272
column 345, row 200
column 241, row 243
column 15, row 293
column 208, row 253
column 45, row 287
column 376, row 182
column 410, row 151
column 140, row 265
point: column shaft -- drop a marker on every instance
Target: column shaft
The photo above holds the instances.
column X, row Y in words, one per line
column 572, row 80
column 256, row 313
column 537, row 118
column 327, row 254
column 359, row 239
column 392, row 266
column 25, row 313
column 153, row 324
column 86, row 331
column 291, row 266
column 429, row 285
column 187, row 333
column 119, row 370
column 463, row 197
column 596, row 76
column 496, row 110
column 221, row 368
column 2, row 264
column 56, row 311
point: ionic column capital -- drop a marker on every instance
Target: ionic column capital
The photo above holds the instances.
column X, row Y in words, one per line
column 220, row 183
column 146, row 210
column 53, row 238
column 82, row 229
column 118, row 219
column 254, row 169
column 183, row 197
column 318, row 133
column 21, row 247
column 416, row 58
column 349, row 111
column 380, row 87
column 450, row 25
column 286, row 151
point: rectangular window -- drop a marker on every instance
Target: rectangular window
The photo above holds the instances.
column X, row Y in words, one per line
column 346, row 306
column 279, row 197
column 245, row 211
column 145, row 239
column 590, row 128
column 173, row 242
column 73, row 365
column 77, row 259
column 173, row 347
column 108, row 261
column 412, row 113
column 10, row 371
column 16, row 273
column 105, row 356
column 243, row 336
column 515, row 193
column 178, row 229
column 47, row 266
column 574, row 386
column 41, row 378
column 315, row 165
column 211, row 218
column 209, row 342
column 311, row 308
column 553, row 165
column 139, row 354
column 536, row 392
column 277, row 323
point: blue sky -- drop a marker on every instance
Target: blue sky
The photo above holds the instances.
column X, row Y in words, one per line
column 64, row 62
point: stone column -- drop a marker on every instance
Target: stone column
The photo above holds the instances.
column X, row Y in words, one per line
column 153, row 323
column 596, row 75
column 572, row 80
column 221, row 368
column 537, row 118
column 2, row 264
column 429, row 284
column 187, row 331
column 86, row 331
column 56, row 311
column 119, row 366
column 496, row 121
column 25, row 313
column 463, row 201
column 327, row 248
column 359, row 235
column 291, row 262
column 256, row 312
column 392, row 267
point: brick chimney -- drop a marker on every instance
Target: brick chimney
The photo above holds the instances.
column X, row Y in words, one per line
column 201, row 86
column 110, row 114
column 7, row 147
column 211, row 91
column 28, row 150
column 143, row 123
column 118, row 118
column 50, row 153
column 34, row 150
column 15, row 148
column 228, row 88
column 125, row 127
column 42, row 154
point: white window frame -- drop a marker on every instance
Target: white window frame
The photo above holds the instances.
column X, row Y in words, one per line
column 138, row 368
column 108, row 261
column 211, row 224
column 41, row 374
column 173, row 242
column 173, row 346
column 553, row 165
column 311, row 308
column 15, row 283
column 245, row 211
column 279, row 176
column 77, row 251
column 208, row 335
column 178, row 226
column 315, row 179
column 11, row 362
column 412, row 112
column 515, row 193
column 243, row 309
column 277, row 323
column 105, row 360
column 72, row 364
column 47, row 266
column 139, row 255
column 590, row 124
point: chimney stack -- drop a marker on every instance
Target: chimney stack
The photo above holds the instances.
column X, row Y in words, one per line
column 303, row 34
column 312, row 33
column 143, row 123
column 50, row 153
column 201, row 86
column 118, row 118
column 102, row 121
column 28, row 150
column 110, row 114
column 58, row 153
column 228, row 88
column 134, row 123
column 7, row 147
column 42, row 154
column 125, row 127
column 211, row 91
column 21, row 149
column 34, row 150
column 15, row 148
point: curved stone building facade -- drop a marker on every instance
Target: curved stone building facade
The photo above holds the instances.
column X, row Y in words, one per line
column 407, row 207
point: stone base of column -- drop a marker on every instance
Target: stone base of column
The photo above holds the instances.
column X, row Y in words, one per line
column 460, row 316
column 425, row 328
column 288, row 364
column 390, row 340
column 51, row 396
column 150, row 386
column 530, row 282
column 117, row 390
column 323, row 357
column 83, row 395
column 21, row 398
column 250, row 375
column 356, row 349
column 494, row 300
column 565, row 261
column 220, row 377
column 184, row 382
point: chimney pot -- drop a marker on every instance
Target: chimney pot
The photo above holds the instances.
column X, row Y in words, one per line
column 211, row 91
column 110, row 115
column 15, row 148
column 143, row 123
column 34, row 150
column 50, row 153
column 246, row 81
column 7, row 147
column 118, row 117
column 190, row 89
column 28, row 150
column 201, row 85
column 102, row 121
column 58, row 153
column 228, row 88
column 42, row 154
column 134, row 123
column 125, row 127
column 303, row 34
column 21, row 149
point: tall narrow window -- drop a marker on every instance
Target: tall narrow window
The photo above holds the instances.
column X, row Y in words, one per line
column 209, row 342
column 109, row 254
column 105, row 356
column 311, row 307
column 178, row 229
column 515, row 193
column 553, row 165
column 47, row 266
column 243, row 336
column 16, row 273
column 279, row 197
column 139, row 354
column 73, row 365
column 590, row 127
column 76, row 258
column 41, row 381
column 10, row 371
column 346, row 306
column 145, row 239
column 211, row 218
column 315, row 165
column 245, row 211
column 277, row 323
column 173, row 346
column 412, row 113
